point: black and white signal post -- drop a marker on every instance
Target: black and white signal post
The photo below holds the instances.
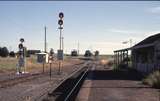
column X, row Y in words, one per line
column 60, row 51
column 21, row 68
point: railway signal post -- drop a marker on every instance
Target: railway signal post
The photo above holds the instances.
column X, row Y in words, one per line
column 21, row 68
column 60, row 51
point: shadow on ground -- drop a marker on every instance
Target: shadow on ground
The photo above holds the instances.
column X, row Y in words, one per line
column 115, row 75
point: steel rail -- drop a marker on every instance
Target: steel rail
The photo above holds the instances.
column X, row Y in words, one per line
column 76, row 85
column 69, row 76
column 49, row 91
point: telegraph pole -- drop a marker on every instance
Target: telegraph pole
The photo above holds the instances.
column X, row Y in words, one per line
column 78, row 48
column 45, row 41
column 130, row 42
column 62, row 43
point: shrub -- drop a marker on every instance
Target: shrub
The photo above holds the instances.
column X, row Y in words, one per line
column 96, row 53
column 0, row 51
column 12, row 54
column 88, row 53
column 4, row 52
column 74, row 53
column 153, row 79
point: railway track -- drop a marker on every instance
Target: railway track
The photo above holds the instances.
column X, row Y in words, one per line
column 21, row 79
column 69, row 87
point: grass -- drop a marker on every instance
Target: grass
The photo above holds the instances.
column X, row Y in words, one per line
column 32, row 63
column 153, row 79
column 10, row 64
column 7, row 64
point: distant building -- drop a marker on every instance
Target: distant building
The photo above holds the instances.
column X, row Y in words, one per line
column 33, row 52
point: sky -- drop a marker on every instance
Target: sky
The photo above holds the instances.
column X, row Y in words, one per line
column 95, row 25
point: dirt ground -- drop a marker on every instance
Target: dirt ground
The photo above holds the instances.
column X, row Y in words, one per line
column 103, row 84
column 29, row 87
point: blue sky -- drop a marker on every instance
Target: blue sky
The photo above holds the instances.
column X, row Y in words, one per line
column 96, row 25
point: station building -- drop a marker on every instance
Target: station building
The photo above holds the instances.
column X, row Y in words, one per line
column 145, row 56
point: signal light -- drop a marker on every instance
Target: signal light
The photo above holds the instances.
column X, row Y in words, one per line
column 60, row 22
column 61, row 15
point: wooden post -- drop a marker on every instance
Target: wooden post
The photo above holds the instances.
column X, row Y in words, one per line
column 124, row 54
column 155, row 59
column 121, row 57
column 127, row 58
column 50, row 70
column 114, row 59
column 43, row 67
column 118, row 58
column 59, row 69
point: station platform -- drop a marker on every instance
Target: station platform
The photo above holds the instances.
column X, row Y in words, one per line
column 104, row 84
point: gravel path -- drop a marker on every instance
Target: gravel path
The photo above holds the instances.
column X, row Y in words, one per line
column 104, row 84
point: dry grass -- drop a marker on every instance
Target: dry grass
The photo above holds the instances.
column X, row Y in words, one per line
column 9, row 64
column 31, row 63
column 153, row 79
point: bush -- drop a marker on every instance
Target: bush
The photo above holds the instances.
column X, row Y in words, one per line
column 0, row 50
column 88, row 53
column 4, row 52
column 74, row 53
column 12, row 54
column 96, row 53
column 153, row 79
column 122, row 66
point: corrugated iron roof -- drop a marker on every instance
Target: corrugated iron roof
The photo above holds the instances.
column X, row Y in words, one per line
column 149, row 40
column 144, row 43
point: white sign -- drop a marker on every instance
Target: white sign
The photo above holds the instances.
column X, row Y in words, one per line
column 42, row 58
column 60, row 55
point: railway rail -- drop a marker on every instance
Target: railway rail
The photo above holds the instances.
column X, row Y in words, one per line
column 69, row 87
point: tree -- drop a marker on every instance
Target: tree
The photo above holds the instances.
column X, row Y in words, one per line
column 88, row 53
column 96, row 53
column 51, row 51
column 0, row 51
column 12, row 54
column 4, row 52
column 74, row 53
